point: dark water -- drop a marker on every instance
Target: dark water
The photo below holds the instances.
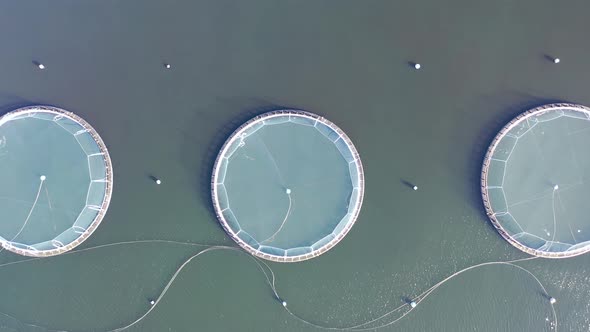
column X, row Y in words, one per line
column 483, row 62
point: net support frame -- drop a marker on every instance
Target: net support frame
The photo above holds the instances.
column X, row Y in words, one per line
column 83, row 235
column 236, row 136
column 485, row 171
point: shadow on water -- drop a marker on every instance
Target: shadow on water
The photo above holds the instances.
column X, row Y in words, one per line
column 20, row 103
column 549, row 58
column 407, row 183
column 406, row 300
column 214, row 146
column 545, row 296
column 485, row 137
column 14, row 105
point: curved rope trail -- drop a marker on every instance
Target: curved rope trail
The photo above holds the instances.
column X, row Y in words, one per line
column 270, row 279
column 30, row 211
column 175, row 275
column 29, row 215
column 271, row 238
column 260, row 264
column 421, row 297
column 29, row 324
column 283, row 183
column 428, row 292
column 165, row 290
column 279, row 173
column 554, row 220
column 94, row 248
column 569, row 226
column 76, row 251
column 271, row 282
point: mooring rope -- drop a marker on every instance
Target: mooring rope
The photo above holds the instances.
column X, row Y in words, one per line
column 270, row 278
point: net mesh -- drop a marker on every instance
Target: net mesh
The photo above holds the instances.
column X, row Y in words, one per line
column 57, row 180
column 287, row 185
column 534, row 181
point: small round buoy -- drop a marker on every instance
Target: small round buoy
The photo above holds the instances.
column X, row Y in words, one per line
column 41, row 66
column 167, row 66
column 552, row 300
column 413, row 304
column 288, row 191
column 415, row 187
column 43, row 177
column 158, row 181
column 556, row 60
column 284, row 303
column 555, row 187
column 417, row 66
column 152, row 302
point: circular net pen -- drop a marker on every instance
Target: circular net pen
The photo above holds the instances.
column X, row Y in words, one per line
column 535, row 181
column 57, row 180
column 287, row 185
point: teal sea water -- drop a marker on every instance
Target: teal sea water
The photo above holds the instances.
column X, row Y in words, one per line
column 482, row 63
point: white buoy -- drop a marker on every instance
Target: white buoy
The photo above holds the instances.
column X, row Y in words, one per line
column 552, row 300
column 167, row 66
column 284, row 303
column 417, row 66
column 288, row 191
column 556, row 60
column 413, row 304
column 415, row 187
column 158, row 181
column 41, row 66
column 43, row 177
column 555, row 187
column 152, row 302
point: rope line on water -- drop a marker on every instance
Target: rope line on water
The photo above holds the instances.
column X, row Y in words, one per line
column 165, row 290
column 76, row 251
column 421, row 297
column 260, row 264
column 48, row 199
column 271, row 281
column 271, row 238
column 554, row 220
column 279, row 173
column 30, row 213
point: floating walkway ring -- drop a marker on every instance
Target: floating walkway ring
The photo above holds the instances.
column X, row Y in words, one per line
column 533, row 181
column 287, row 185
column 57, row 181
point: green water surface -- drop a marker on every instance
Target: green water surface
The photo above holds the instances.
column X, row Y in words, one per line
column 483, row 62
